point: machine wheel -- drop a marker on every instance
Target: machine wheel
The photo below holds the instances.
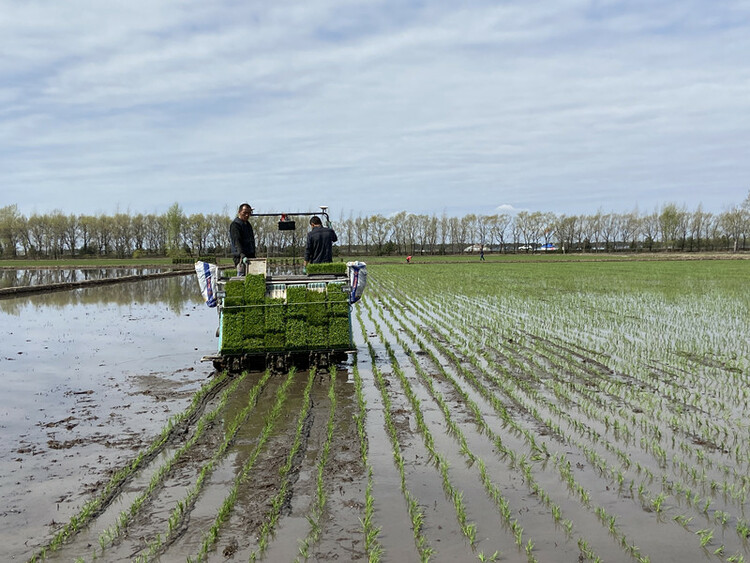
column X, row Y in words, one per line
column 277, row 363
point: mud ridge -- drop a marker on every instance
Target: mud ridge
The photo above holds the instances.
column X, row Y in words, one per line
column 6, row 292
column 297, row 459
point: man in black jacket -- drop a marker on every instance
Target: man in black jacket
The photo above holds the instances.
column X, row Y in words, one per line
column 242, row 238
column 320, row 241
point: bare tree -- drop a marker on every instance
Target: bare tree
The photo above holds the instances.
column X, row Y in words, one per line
column 410, row 230
column 199, row 229
column 673, row 227
column 398, row 230
column 57, row 223
column 444, row 232
column 683, row 228
column 468, row 230
column 156, row 233
column 734, row 225
column 566, row 230
column 531, row 227
column 548, row 226
column 348, row 232
column 218, row 238
column 454, row 233
column 515, row 231
column 630, row 228
column 362, row 225
column 498, row 228
column 86, row 229
column 696, row 222
column 39, row 234
column 671, row 221
column 594, row 223
column 10, row 229
column 484, row 227
column 381, row 230
column 423, row 232
column 120, row 229
column 608, row 224
column 431, row 233
column 137, row 225
column 650, row 229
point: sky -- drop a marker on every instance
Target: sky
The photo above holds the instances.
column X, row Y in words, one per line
column 374, row 107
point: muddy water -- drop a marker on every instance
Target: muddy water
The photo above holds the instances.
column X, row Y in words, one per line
column 89, row 377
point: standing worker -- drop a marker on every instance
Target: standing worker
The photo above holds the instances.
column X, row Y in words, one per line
column 320, row 241
column 242, row 238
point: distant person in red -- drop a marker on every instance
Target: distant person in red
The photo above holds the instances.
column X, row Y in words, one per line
column 408, row 259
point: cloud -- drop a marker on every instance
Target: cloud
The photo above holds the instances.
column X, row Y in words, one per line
column 375, row 106
column 507, row 208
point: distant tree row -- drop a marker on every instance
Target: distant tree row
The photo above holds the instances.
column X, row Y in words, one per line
column 122, row 235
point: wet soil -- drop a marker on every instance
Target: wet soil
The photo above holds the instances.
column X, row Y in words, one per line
column 90, row 376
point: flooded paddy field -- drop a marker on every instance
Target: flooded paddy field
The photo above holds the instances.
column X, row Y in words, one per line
column 89, row 376
column 506, row 412
column 20, row 277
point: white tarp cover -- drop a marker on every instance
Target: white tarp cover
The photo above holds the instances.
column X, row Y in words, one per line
column 357, row 279
column 208, row 274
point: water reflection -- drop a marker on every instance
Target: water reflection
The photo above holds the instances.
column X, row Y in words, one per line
column 26, row 277
column 176, row 292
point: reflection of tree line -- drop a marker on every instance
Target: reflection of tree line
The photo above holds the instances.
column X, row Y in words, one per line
column 175, row 292
column 24, row 277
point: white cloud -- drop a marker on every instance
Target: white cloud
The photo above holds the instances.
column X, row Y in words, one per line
column 507, row 208
column 379, row 107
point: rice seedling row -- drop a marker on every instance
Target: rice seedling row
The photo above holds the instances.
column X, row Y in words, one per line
column 318, row 506
column 110, row 535
column 456, row 497
column 519, row 462
column 415, row 512
column 370, row 530
column 272, row 516
column 93, row 508
column 596, row 461
column 231, row 498
column 666, row 422
column 651, row 441
column 455, row 429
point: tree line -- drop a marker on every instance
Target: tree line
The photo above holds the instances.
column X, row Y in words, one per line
column 122, row 235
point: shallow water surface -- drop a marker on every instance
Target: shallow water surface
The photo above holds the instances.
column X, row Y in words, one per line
column 84, row 368
column 22, row 277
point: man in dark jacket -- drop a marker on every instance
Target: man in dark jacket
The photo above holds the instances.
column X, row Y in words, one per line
column 320, row 241
column 242, row 238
